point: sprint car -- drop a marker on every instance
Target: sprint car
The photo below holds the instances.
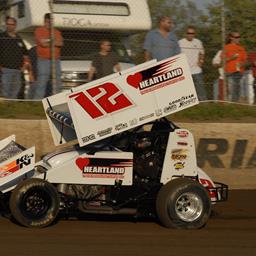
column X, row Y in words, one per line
column 127, row 158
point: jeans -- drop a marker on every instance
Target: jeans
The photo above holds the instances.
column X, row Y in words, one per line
column 44, row 75
column 234, row 80
column 216, row 89
column 11, row 82
column 199, row 85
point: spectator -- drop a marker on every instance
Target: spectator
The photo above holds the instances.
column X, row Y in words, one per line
column 234, row 56
column 104, row 62
column 13, row 59
column 194, row 50
column 218, row 85
column 252, row 61
column 161, row 43
column 43, row 50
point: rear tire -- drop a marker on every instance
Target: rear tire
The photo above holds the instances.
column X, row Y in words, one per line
column 34, row 203
column 183, row 203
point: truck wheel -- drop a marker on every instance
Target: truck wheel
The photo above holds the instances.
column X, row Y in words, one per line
column 183, row 203
column 34, row 203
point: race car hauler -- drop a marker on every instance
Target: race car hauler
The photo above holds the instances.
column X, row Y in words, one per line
column 83, row 25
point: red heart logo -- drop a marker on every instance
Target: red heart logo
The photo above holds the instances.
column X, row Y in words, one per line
column 134, row 80
column 82, row 162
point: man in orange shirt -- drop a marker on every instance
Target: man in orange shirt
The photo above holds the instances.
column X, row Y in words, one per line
column 43, row 50
column 234, row 56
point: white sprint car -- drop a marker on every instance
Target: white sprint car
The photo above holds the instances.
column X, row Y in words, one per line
column 127, row 158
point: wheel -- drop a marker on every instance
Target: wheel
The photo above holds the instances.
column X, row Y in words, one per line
column 183, row 203
column 34, row 203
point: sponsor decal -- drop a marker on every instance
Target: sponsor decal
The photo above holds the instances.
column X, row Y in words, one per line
column 101, row 100
column 159, row 112
column 146, row 117
column 179, row 165
column 88, row 138
column 121, row 126
column 182, row 99
column 82, row 22
column 182, row 134
column 15, row 165
column 170, row 108
column 156, row 77
column 134, row 80
column 179, row 154
column 187, row 101
column 104, row 172
column 133, row 122
column 103, row 167
column 160, row 78
column 105, row 132
column 182, row 143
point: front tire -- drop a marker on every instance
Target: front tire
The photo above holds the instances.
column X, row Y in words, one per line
column 183, row 203
column 34, row 203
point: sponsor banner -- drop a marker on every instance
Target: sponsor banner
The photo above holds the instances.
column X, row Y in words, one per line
column 138, row 95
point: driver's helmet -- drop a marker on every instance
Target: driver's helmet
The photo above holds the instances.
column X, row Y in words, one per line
column 143, row 143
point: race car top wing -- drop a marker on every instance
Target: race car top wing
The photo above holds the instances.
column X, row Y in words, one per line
column 121, row 101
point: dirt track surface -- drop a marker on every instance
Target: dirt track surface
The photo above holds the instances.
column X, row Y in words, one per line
column 230, row 231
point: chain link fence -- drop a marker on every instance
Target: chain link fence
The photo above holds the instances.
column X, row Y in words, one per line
column 83, row 35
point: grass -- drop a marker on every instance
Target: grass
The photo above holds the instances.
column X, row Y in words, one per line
column 204, row 112
column 217, row 112
column 21, row 110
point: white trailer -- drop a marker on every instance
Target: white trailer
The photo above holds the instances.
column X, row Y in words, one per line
column 83, row 24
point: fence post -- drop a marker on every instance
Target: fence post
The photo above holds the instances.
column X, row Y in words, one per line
column 223, row 33
column 53, row 63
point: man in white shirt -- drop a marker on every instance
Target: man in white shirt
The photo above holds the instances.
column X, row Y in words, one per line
column 194, row 50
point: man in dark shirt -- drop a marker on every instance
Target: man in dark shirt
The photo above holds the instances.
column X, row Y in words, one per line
column 104, row 62
column 13, row 59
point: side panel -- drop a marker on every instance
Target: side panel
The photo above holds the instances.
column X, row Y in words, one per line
column 103, row 168
column 180, row 156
